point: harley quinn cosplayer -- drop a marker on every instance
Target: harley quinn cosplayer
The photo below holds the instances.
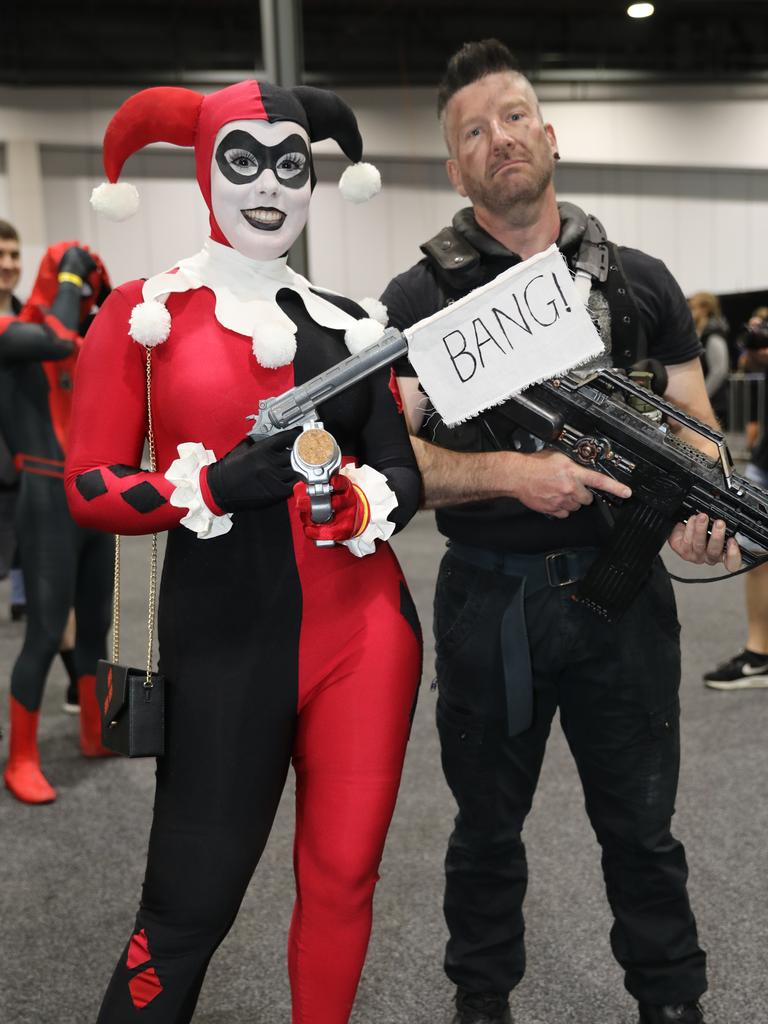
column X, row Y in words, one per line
column 64, row 565
column 274, row 649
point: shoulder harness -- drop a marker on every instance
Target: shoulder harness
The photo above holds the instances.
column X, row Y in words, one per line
column 458, row 268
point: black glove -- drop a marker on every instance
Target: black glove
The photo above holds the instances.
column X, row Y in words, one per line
column 77, row 261
column 255, row 474
column 66, row 306
column 27, row 343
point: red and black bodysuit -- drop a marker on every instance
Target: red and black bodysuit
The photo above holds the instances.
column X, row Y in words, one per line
column 275, row 651
column 64, row 565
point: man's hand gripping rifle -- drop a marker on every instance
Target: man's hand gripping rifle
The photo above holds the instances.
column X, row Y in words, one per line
column 591, row 419
column 316, row 456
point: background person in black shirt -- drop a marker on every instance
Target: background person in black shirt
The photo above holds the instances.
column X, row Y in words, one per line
column 748, row 670
column 522, row 526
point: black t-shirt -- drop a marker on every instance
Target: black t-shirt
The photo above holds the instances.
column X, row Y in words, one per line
column 668, row 335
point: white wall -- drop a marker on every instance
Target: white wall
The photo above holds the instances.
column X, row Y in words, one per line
column 710, row 227
column 698, row 126
column 636, row 126
column 355, row 250
column 680, row 173
column 172, row 222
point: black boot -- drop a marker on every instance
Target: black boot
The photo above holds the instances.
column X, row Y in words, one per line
column 481, row 1008
column 674, row 1013
column 72, row 700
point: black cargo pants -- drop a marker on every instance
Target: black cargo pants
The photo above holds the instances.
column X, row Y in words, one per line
column 616, row 687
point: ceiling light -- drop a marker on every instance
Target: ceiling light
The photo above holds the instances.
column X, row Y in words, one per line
column 640, row 10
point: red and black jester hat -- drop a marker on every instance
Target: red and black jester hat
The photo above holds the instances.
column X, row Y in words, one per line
column 188, row 118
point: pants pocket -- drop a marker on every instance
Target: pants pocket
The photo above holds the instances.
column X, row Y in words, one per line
column 662, row 761
column 467, row 755
column 460, row 596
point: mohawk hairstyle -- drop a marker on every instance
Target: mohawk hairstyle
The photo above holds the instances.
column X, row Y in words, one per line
column 473, row 61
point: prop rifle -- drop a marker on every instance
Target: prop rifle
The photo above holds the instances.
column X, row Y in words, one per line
column 596, row 420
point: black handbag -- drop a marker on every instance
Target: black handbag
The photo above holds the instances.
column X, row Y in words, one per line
column 133, row 713
column 132, row 700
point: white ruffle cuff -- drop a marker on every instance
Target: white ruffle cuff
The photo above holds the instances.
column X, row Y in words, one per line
column 381, row 499
column 184, row 474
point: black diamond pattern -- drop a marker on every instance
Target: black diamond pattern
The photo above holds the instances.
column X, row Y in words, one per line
column 143, row 497
column 91, row 484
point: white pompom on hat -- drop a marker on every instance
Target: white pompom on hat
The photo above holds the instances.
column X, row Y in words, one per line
column 115, row 200
column 161, row 114
column 360, row 182
column 329, row 117
column 149, row 323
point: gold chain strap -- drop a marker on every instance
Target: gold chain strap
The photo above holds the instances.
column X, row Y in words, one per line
column 116, row 604
column 152, row 557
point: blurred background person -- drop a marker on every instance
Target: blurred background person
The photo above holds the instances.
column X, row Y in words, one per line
column 64, row 565
column 10, row 306
column 752, row 337
column 10, row 269
column 748, row 670
column 712, row 330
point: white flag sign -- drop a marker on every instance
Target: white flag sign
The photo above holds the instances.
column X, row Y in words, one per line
column 525, row 326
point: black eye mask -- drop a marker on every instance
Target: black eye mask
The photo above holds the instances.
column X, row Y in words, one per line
column 242, row 159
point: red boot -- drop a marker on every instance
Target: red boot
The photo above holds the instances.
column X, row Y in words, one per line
column 90, row 719
column 22, row 773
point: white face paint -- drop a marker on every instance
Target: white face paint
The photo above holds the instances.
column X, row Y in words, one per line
column 260, row 185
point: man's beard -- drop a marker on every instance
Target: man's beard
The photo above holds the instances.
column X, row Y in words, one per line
column 499, row 195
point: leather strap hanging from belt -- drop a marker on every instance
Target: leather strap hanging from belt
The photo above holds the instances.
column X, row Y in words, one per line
column 534, row 572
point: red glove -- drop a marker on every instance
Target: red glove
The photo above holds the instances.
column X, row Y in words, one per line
column 351, row 511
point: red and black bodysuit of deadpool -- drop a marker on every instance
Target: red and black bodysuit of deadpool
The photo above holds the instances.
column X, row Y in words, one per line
column 64, row 564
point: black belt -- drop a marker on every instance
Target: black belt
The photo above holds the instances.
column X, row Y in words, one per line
column 535, row 572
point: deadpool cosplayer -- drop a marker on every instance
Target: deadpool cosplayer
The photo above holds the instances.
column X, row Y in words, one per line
column 275, row 650
column 64, row 565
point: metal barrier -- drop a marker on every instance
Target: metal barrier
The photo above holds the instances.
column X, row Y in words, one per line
column 746, row 404
column 746, row 399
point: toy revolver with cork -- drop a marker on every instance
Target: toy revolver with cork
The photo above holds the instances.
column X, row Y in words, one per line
column 316, row 455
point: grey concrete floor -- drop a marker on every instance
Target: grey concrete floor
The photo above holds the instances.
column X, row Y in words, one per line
column 70, row 873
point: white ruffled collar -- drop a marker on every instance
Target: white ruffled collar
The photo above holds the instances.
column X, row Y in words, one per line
column 246, row 293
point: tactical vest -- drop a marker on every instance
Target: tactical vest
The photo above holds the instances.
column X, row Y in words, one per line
column 458, row 267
